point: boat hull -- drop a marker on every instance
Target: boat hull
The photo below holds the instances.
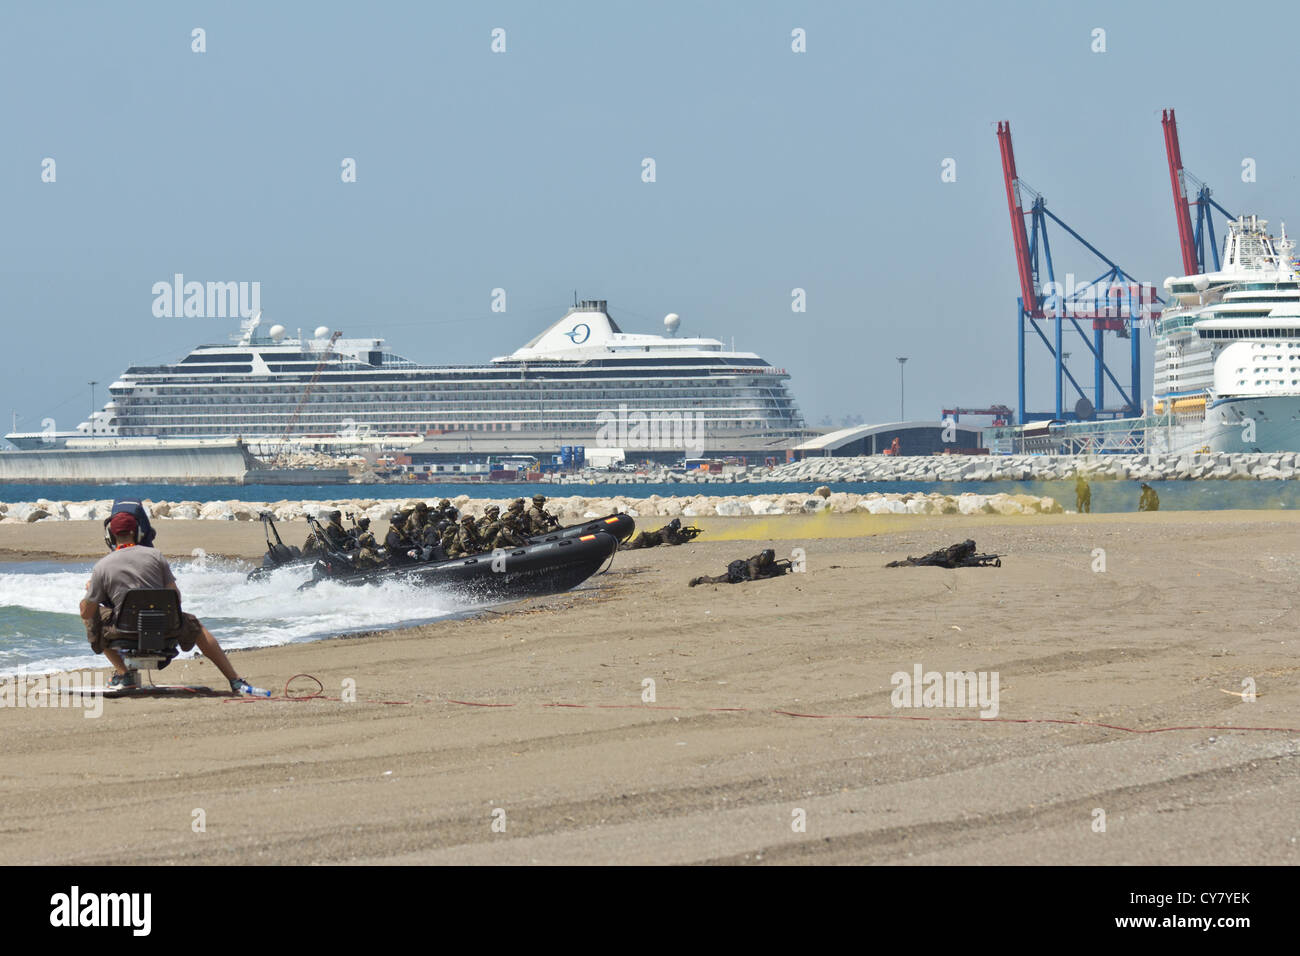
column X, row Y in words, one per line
column 507, row 574
column 620, row 525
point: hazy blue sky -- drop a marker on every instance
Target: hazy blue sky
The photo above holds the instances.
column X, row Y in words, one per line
column 522, row 170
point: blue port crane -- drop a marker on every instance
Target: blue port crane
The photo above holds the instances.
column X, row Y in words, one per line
column 1114, row 303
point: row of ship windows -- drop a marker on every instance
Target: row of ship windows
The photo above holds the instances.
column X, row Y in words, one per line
column 183, row 427
column 339, row 394
column 332, row 424
column 477, row 414
column 370, row 383
column 324, row 405
column 1249, row 334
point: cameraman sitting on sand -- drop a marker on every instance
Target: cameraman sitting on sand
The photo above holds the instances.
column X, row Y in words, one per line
column 128, row 567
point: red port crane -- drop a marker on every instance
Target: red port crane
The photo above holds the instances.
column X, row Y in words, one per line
column 1178, row 181
column 1192, row 241
column 306, row 394
column 1028, row 275
column 1114, row 302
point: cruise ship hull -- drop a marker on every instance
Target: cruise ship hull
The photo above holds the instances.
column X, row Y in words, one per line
column 581, row 383
column 1270, row 424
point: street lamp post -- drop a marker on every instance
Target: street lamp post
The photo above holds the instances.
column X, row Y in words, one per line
column 902, row 360
column 92, row 385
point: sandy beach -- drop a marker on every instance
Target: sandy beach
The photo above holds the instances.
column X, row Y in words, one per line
column 520, row 735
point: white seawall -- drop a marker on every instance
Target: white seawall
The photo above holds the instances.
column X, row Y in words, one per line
column 202, row 464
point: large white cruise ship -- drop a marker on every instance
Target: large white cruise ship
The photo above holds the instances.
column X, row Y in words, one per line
column 582, row 381
column 1227, row 351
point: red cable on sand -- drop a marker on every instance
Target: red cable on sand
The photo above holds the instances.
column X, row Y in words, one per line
column 320, row 687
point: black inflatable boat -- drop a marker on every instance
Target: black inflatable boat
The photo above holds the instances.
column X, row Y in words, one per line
column 507, row 574
column 619, row 525
column 278, row 554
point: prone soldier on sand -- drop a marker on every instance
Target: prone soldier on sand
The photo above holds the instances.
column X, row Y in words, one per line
column 960, row 555
column 671, row 533
column 762, row 565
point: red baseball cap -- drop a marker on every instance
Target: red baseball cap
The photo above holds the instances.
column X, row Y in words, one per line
column 122, row 523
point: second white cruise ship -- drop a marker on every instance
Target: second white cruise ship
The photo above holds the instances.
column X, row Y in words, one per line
column 1227, row 351
column 582, row 381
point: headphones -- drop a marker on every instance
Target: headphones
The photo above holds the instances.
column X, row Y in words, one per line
column 108, row 535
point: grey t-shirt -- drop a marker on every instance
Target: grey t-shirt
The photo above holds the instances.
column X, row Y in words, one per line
column 125, row 569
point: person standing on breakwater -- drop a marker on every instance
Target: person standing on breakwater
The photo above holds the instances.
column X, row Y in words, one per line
column 1082, row 495
column 1149, row 500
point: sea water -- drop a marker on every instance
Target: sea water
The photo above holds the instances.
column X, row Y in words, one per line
column 41, row 630
column 1107, row 496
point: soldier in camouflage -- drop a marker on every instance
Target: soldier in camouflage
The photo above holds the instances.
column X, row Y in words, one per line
column 419, row 518
column 506, row 533
column 466, row 540
column 396, row 542
column 539, row 520
column 367, row 546
column 491, row 515
column 762, row 565
column 335, row 534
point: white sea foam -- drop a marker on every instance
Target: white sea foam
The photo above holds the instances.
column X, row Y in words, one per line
column 39, row 609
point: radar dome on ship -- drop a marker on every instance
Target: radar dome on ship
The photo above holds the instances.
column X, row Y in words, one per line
column 277, row 333
column 671, row 321
column 1200, row 283
column 1169, row 283
column 322, row 331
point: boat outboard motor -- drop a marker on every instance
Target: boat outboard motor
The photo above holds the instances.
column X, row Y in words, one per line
column 277, row 552
column 144, row 532
column 330, row 554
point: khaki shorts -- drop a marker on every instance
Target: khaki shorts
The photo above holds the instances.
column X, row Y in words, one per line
column 101, row 629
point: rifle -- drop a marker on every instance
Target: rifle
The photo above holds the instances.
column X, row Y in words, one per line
column 318, row 532
column 690, row 532
column 326, row 547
